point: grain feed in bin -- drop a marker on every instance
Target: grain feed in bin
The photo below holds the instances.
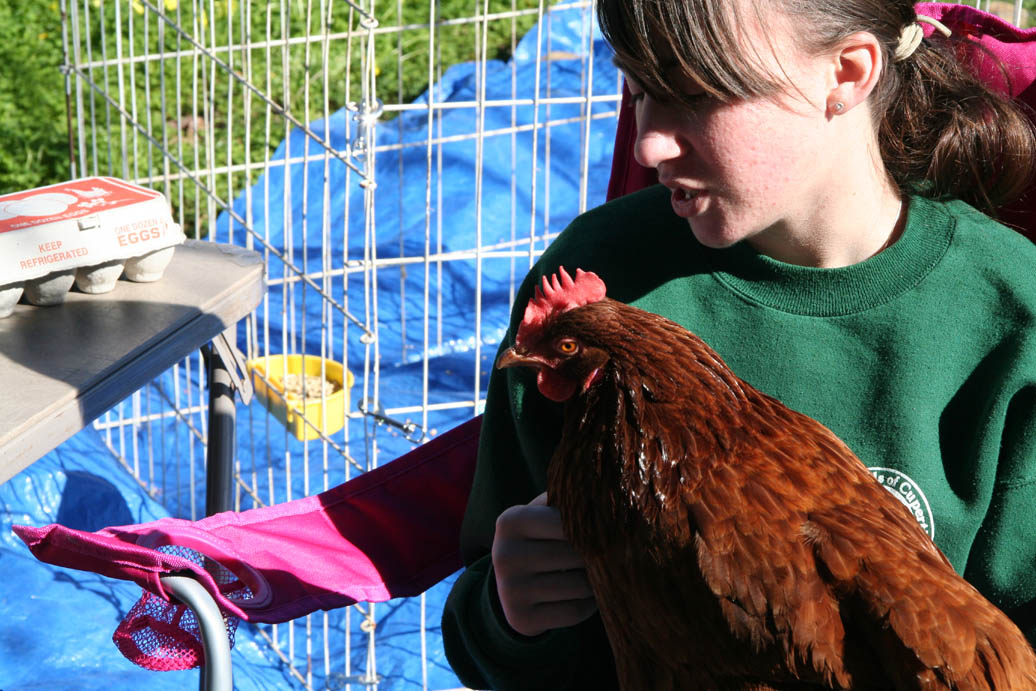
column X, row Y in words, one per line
column 280, row 380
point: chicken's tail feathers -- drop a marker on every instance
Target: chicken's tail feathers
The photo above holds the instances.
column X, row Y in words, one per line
column 904, row 601
column 1005, row 660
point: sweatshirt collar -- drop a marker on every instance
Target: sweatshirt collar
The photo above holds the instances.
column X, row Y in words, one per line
column 847, row 290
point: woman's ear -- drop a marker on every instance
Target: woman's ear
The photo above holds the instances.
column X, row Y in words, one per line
column 855, row 68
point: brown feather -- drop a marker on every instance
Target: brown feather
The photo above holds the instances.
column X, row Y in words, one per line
column 718, row 557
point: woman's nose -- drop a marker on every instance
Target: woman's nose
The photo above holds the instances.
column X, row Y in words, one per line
column 658, row 134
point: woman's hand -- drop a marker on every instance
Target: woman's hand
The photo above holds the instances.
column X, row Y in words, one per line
column 540, row 579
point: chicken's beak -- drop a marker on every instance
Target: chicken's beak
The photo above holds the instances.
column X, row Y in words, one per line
column 512, row 358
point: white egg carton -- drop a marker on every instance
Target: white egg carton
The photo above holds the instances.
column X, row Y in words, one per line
column 88, row 232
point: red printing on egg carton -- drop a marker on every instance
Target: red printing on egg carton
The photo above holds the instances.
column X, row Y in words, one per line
column 81, row 223
column 53, row 257
column 67, row 200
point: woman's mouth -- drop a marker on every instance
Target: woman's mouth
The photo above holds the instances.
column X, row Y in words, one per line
column 687, row 203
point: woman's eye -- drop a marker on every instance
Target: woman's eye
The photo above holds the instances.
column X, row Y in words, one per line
column 635, row 89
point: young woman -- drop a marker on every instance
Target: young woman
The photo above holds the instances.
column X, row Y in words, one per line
column 816, row 224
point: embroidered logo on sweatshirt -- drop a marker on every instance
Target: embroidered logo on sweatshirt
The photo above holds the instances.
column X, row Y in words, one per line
column 906, row 490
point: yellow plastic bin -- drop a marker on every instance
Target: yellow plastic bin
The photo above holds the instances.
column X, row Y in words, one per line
column 288, row 407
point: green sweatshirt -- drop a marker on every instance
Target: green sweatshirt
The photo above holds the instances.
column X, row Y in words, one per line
column 922, row 359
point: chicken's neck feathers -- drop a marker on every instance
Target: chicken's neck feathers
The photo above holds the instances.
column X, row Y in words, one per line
column 665, row 412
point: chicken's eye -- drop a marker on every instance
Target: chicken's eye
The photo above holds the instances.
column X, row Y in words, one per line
column 567, row 346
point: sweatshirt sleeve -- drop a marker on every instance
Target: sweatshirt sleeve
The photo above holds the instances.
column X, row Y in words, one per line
column 1002, row 564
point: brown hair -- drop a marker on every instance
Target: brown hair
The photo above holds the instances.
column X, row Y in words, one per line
column 941, row 132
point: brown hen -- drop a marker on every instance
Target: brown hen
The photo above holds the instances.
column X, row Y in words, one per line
column 719, row 555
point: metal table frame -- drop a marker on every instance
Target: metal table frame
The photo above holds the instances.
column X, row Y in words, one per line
column 62, row 367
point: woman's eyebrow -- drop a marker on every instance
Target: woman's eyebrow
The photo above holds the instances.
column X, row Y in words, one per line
column 618, row 63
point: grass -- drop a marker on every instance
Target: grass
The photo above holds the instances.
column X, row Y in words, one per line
column 34, row 137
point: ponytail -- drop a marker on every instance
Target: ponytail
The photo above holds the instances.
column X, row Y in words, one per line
column 944, row 133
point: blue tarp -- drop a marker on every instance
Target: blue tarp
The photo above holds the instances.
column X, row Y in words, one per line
column 58, row 622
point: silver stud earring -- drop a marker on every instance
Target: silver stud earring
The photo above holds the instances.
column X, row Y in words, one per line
column 839, row 107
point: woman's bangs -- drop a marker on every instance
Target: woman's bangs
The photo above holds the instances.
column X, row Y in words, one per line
column 698, row 39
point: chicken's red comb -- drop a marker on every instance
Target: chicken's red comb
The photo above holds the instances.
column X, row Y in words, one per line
column 560, row 294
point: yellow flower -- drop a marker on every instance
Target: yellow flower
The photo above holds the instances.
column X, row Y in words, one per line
column 170, row 5
column 138, row 7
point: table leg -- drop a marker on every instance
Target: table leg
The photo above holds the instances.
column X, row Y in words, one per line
column 219, row 473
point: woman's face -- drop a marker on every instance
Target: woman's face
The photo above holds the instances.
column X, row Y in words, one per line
column 755, row 169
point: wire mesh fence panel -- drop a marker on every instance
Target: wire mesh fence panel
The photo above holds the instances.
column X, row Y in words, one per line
column 399, row 165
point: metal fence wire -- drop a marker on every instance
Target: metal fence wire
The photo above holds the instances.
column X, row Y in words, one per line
column 399, row 165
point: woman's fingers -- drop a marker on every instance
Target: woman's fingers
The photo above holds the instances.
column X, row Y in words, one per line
column 540, row 500
column 531, row 521
column 560, row 586
column 540, row 578
column 533, row 555
column 539, row 606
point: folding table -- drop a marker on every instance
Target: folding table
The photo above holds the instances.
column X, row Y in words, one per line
column 63, row 366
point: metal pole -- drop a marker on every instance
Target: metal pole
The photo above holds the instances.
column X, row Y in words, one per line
column 216, row 673
column 216, row 670
column 219, row 457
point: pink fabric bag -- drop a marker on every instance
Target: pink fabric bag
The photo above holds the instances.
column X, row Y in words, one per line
column 392, row 532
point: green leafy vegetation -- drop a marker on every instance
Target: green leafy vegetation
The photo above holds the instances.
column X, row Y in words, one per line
column 33, row 130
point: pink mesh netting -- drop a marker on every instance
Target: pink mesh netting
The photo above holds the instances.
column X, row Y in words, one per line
column 164, row 636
